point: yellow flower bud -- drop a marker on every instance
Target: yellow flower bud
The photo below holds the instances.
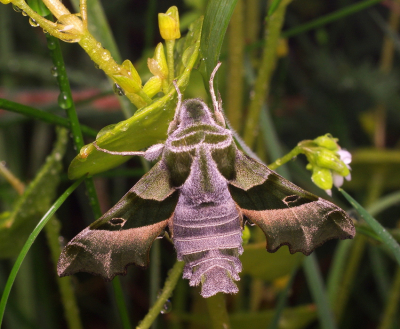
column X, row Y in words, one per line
column 322, row 178
column 169, row 24
column 158, row 64
column 127, row 84
column 330, row 160
column 132, row 73
column 153, row 86
column 327, row 141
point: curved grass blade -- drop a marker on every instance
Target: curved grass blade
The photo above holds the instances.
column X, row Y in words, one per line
column 146, row 127
column 29, row 243
column 386, row 237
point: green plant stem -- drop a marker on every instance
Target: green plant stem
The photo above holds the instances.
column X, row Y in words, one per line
column 29, row 243
column 235, row 87
column 392, row 303
column 71, row 311
column 77, row 137
column 173, row 276
column 37, row 114
column 155, row 265
column 64, row 86
column 286, row 158
column 99, row 27
column 316, row 285
column 339, row 263
column 339, row 14
column 217, row 309
column 268, row 62
column 170, row 44
column 342, row 294
column 11, row 178
column 119, row 297
column 282, row 299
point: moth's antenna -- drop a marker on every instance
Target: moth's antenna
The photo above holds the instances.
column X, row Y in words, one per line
column 212, row 92
column 179, row 104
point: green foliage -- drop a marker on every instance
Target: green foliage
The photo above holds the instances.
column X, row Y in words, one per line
column 329, row 68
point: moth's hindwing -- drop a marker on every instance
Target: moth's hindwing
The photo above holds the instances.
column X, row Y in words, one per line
column 287, row 214
column 123, row 235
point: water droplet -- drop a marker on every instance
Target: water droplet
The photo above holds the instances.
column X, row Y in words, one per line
column 64, row 101
column 167, row 307
column 33, row 23
column 16, row 8
column 118, row 90
column 125, row 127
column 105, row 130
column 24, row 13
column 51, row 45
column 97, row 66
column 105, row 55
column 54, row 71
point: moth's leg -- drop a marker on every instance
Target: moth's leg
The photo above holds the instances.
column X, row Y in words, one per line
column 115, row 152
column 151, row 154
column 217, row 105
column 83, row 12
column 174, row 123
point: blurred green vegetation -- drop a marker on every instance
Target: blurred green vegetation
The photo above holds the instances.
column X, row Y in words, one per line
column 338, row 75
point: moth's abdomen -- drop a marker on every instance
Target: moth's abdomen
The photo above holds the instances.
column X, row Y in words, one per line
column 208, row 237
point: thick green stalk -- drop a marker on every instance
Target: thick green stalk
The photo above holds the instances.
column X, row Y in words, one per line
column 217, row 309
column 67, row 103
column 234, row 90
column 173, row 276
column 268, row 62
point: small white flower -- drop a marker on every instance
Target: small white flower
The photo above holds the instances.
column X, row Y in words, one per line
column 345, row 156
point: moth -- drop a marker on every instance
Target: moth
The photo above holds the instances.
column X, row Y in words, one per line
column 202, row 190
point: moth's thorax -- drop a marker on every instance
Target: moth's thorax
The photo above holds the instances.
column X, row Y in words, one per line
column 194, row 111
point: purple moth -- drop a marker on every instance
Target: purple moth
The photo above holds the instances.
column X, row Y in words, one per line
column 202, row 190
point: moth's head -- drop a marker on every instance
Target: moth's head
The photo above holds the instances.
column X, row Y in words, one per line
column 194, row 111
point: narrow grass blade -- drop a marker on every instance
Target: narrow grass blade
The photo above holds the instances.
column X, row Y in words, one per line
column 316, row 285
column 386, row 237
column 29, row 243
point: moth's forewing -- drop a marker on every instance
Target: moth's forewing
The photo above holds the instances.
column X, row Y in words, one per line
column 287, row 214
column 123, row 235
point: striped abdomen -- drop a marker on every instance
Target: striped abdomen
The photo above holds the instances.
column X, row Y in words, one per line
column 207, row 229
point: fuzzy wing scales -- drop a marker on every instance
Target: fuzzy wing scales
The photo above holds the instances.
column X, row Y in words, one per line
column 287, row 214
column 123, row 235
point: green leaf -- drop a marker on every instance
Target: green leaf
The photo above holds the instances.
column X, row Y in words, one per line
column 146, row 127
column 261, row 264
column 216, row 20
column 36, row 200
